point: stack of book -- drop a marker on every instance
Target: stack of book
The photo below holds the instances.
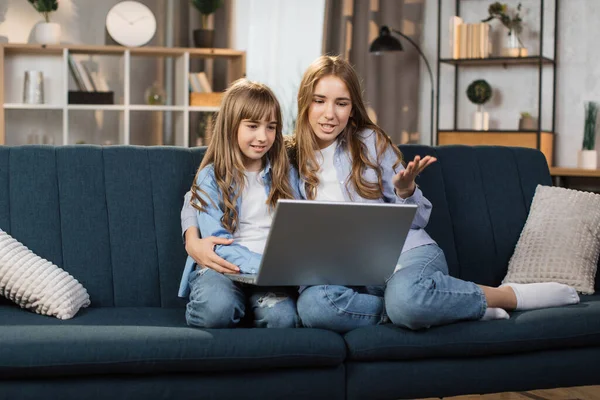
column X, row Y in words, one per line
column 92, row 88
column 201, row 91
column 469, row 40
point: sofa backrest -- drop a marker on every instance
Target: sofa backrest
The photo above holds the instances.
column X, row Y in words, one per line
column 481, row 198
column 111, row 215
column 107, row 215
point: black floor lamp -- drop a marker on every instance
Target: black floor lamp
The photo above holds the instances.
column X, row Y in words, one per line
column 386, row 42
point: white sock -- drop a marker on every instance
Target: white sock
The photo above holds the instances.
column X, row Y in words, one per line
column 542, row 295
column 494, row 313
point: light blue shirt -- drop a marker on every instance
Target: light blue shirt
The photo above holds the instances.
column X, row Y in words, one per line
column 343, row 165
column 209, row 223
column 342, row 162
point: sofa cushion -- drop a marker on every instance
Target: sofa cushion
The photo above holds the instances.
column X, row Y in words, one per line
column 560, row 241
column 151, row 340
column 544, row 329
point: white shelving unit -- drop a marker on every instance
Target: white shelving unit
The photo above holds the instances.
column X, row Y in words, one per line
column 53, row 62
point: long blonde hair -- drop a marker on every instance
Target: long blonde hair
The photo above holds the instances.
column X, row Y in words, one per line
column 306, row 143
column 243, row 100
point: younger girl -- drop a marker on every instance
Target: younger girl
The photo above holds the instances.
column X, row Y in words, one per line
column 241, row 177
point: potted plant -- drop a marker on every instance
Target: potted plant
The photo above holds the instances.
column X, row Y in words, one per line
column 46, row 32
column 204, row 37
column 479, row 92
column 514, row 23
column 527, row 122
column 588, row 156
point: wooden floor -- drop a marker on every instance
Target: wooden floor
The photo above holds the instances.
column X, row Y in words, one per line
column 575, row 393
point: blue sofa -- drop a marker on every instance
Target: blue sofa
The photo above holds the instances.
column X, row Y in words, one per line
column 110, row 216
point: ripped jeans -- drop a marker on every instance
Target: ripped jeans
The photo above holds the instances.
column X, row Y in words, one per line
column 218, row 302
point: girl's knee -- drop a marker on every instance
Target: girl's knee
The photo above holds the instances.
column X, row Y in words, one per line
column 274, row 310
column 314, row 307
column 218, row 313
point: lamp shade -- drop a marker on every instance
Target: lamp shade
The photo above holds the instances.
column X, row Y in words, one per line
column 385, row 42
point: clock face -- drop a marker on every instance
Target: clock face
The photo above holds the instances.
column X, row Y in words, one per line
column 131, row 23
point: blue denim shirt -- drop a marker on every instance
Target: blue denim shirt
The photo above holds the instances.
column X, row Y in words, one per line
column 342, row 162
column 209, row 223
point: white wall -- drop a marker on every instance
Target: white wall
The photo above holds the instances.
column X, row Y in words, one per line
column 281, row 40
column 516, row 88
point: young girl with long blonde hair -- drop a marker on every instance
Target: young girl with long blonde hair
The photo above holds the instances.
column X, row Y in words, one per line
column 243, row 174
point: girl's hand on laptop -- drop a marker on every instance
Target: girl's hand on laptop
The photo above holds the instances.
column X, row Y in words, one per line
column 202, row 251
column 404, row 181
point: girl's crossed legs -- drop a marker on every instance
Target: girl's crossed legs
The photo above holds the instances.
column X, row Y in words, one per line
column 218, row 302
column 421, row 294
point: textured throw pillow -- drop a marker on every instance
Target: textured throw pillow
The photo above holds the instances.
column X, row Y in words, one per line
column 36, row 284
column 560, row 241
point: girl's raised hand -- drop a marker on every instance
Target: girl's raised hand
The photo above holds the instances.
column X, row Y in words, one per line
column 404, row 181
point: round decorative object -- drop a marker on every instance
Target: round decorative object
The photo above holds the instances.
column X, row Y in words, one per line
column 479, row 91
column 131, row 24
column 155, row 95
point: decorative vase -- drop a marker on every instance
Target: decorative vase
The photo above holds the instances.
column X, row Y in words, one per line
column 155, row 95
column 33, row 87
column 47, row 33
column 528, row 124
column 588, row 159
column 481, row 119
column 204, row 38
column 513, row 47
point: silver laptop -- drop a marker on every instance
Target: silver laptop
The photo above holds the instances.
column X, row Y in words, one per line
column 327, row 243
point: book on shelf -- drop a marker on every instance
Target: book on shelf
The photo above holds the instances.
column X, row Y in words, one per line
column 198, row 82
column 469, row 40
column 86, row 80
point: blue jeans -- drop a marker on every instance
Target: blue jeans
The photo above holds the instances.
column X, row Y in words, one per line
column 218, row 302
column 419, row 295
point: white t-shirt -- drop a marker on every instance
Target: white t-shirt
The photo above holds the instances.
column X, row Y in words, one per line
column 255, row 218
column 330, row 188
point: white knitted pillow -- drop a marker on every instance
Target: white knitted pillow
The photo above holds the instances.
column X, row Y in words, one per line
column 560, row 241
column 36, row 284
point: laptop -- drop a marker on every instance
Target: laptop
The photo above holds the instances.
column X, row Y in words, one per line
column 332, row 243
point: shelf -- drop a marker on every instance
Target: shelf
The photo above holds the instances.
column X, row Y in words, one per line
column 25, row 48
column 534, row 60
column 23, row 106
column 94, row 107
column 204, row 109
column 494, row 131
column 145, row 107
column 577, row 172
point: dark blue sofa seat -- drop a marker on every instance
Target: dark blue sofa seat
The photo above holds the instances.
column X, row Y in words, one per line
column 110, row 216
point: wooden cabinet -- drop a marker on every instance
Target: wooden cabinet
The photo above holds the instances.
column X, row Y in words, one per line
column 64, row 123
column 544, row 141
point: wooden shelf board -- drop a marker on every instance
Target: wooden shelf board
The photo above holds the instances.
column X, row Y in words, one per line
column 27, row 48
column 492, row 131
column 497, row 60
column 559, row 171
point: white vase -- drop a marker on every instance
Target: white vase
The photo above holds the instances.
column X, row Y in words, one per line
column 588, row 159
column 47, row 33
column 512, row 46
column 481, row 119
